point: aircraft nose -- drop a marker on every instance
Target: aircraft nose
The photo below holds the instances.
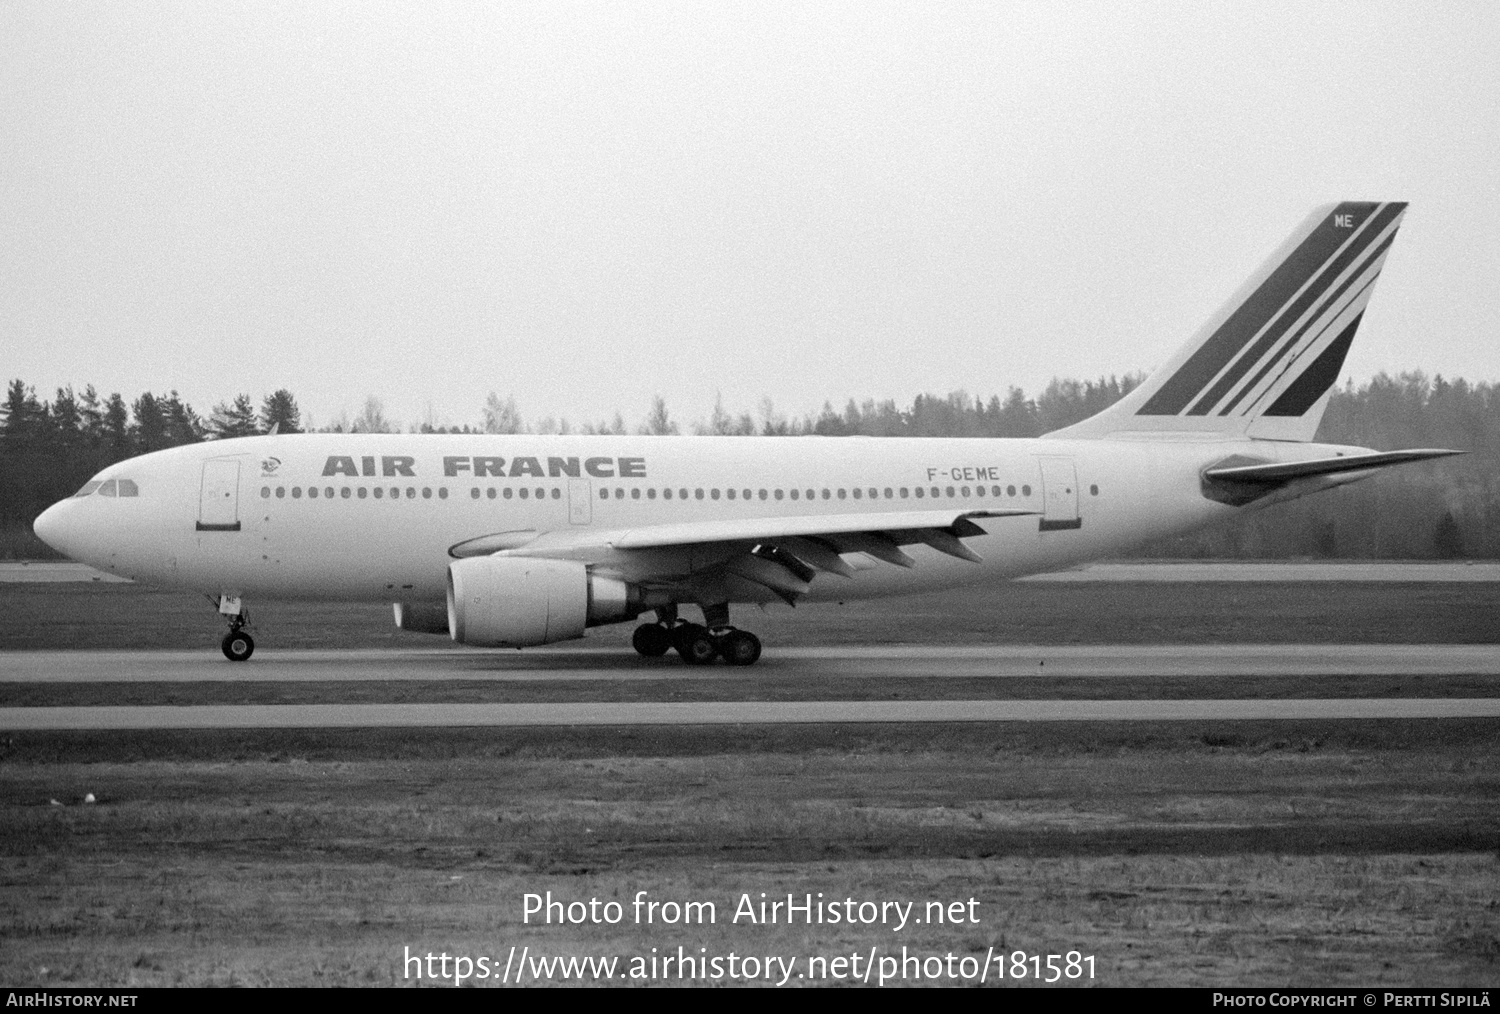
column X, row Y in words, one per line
column 51, row 527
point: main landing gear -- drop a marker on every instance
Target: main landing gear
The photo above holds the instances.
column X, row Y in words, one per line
column 698, row 644
column 237, row 645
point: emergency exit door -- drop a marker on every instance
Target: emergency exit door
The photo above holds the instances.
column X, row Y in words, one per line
column 580, row 501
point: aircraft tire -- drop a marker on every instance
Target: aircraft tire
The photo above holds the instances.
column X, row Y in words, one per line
column 740, row 647
column 237, row 645
column 651, row 640
column 695, row 645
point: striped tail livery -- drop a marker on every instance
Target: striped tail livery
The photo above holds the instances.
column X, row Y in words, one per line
column 1264, row 364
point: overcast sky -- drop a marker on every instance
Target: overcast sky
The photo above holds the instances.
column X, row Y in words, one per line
column 586, row 205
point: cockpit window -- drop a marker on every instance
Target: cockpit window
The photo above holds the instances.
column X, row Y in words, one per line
column 107, row 488
column 88, row 488
column 128, row 488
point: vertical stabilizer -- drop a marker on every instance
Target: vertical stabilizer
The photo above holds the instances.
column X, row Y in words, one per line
column 1264, row 364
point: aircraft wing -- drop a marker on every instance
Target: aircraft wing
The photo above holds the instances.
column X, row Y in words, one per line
column 778, row 554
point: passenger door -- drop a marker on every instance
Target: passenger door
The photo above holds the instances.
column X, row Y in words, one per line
column 1059, row 494
column 219, row 496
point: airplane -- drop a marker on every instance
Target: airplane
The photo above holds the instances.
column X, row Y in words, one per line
column 521, row 540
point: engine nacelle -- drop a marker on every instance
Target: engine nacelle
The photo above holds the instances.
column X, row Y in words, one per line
column 516, row 601
column 421, row 617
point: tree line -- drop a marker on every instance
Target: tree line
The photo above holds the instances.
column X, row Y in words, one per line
column 1445, row 509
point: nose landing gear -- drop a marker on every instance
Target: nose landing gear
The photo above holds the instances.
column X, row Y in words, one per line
column 237, row 645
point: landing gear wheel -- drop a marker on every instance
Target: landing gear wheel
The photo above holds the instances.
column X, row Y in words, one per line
column 694, row 644
column 651, row 639
column 237, row 646
column 740, row 647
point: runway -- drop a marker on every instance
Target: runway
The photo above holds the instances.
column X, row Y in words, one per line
column 571, row 665
column 873, row 662
column 319, row 716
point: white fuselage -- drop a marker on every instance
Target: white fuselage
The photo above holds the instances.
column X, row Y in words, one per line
column 372, row 517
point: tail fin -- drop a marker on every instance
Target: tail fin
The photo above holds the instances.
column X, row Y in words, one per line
column 1263, row 366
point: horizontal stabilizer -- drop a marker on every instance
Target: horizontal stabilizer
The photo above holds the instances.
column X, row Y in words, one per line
column 1275, row 473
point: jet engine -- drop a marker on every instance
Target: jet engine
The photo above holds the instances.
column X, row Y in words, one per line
column 514, row 602
column 421, row 617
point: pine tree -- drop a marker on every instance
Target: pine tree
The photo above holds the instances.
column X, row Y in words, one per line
column 150, row 428
column 116, row 428
column 182, row 424
column 279, row 412
column 236, row 419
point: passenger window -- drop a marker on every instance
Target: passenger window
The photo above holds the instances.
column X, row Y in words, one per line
column 937, row 492
column 603, row 494
column 651, row 493
column 619, row 493
column 328, row 492
column 875, row 493
column 763, row 494
column 395, row 492
column 1025, row 490
column 903, row 493
column 1010, row 491
column 525, row 492
column 856, row 493
column 812, row 494
column 411, row 493
column 950, row 491
column 964, row 491
column 442, row 492
column 1093, row 490
column 682, row 494
column 296, row 492
column 747, row 495
column 344, row 492
column 508, row 492
column 379, row 491
column 473, row 493
column 363, row 493
column 556, row 493
column 426, row 492
column 281, row 492
column 635, row 492
column 94, row 484
column 666, row 494
column 312, row 492
column 778, row 494
column 265, row 493
column 794, row 494
column 698, row 494
column 826, row 494
column 108, row 488
column 729, row 493
column 920, row 493
column 491, row 493
column 714, row 494
column 843, row 495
